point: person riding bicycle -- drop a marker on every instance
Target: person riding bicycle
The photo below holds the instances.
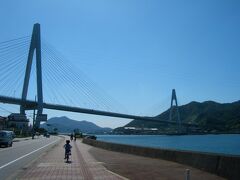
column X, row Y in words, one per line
column 67, row 147
column 75, row 137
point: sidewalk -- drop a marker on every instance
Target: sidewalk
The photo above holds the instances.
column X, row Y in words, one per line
column 21, row 139
column 53, row 166
column 89, row 163
column 26, row 138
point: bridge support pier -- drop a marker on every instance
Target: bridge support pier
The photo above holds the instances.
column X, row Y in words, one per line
column 174, row 98
column 35, row 45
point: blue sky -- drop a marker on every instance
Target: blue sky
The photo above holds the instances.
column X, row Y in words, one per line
column 137, row 51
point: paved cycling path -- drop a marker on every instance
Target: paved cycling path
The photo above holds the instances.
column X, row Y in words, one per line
column 84, row 165
column 53, row 166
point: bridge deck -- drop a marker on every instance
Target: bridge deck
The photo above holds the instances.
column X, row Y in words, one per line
column 29, row 104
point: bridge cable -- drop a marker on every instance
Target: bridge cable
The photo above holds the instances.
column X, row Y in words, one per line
column 81, row 80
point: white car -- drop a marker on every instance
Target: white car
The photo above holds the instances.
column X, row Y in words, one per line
column 6, row 138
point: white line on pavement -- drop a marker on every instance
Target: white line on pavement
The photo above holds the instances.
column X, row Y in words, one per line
column 27, row 154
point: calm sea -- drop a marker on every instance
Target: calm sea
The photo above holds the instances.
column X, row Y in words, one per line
column 224, row 143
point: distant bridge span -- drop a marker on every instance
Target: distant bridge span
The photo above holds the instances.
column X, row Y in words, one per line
column 29, row 105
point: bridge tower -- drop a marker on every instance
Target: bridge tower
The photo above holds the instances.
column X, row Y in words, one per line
column 35, row 45
column 174, row 98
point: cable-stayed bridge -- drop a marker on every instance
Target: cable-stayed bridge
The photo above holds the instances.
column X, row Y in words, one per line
column 12, row 51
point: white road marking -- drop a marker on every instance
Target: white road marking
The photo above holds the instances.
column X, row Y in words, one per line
column 27, row 154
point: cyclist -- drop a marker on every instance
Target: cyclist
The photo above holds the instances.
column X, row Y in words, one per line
column 71, row 137
column 67, row 148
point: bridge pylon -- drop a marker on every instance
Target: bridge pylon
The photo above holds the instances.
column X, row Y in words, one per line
column 35, row 45
column 174, row 98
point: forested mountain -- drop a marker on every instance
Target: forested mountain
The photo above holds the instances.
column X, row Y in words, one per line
column 210, row 116
column 66, row 125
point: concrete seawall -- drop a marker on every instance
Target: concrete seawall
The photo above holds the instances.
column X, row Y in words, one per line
column 221, row 165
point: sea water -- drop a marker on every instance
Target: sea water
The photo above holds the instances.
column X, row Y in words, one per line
column 222, row 144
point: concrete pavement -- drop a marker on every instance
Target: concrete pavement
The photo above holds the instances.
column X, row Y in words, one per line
column 89, row 163
column 53, row 166
column 22, row 139
column 144, row 168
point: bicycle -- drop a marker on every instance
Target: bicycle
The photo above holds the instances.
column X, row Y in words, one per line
column 68, row 154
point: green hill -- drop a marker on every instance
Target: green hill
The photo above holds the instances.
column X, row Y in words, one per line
column 209, row 116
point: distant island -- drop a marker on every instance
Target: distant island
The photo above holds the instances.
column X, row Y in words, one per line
column 209, row 116
column 67, row 125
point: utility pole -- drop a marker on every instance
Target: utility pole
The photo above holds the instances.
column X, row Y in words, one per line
column 34, row 121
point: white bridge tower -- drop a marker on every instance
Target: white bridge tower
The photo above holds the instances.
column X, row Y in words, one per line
column 34, row 45
column 174, row 98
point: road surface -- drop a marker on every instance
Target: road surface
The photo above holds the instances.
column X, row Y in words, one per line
column 14, row 159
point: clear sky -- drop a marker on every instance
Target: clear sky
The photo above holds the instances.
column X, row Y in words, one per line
column 137, row 51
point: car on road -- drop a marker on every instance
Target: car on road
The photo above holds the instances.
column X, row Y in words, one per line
column 91, row 137
column 6, row 138
column 47, row 135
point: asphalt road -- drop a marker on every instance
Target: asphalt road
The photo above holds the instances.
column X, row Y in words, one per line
column 21, row 154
